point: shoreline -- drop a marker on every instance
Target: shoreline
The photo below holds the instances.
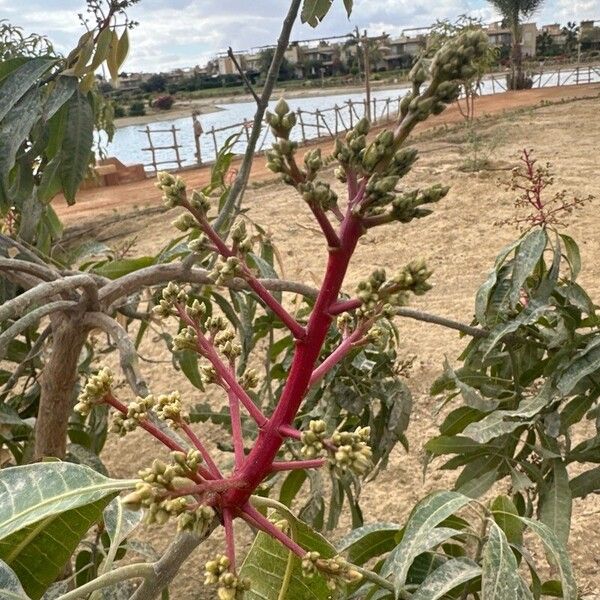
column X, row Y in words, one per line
column 204, row 106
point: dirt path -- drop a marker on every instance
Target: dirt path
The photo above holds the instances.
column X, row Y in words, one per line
column 98, row 202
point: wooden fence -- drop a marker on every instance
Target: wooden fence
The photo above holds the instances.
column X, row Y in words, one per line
column 330, row 122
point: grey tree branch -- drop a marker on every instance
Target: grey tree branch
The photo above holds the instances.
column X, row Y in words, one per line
column 31, row 268
column 236, row 192
column 160, row 274
column 127, row 352
column 41, row 293
column 418, row 315
column 166, row 568
column 31, row 319
column 243, row 75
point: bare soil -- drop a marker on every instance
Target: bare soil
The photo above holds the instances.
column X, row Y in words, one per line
column 459, row 241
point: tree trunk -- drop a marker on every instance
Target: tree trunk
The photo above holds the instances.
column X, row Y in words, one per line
column 517, row 79
column 57, row 384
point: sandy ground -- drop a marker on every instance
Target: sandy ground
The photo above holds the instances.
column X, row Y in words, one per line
column 459, row 241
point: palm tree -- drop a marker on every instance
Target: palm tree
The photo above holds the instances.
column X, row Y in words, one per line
column 571, row 35
column 513, row 11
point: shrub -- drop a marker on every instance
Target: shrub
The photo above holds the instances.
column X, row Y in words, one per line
column 163, row 102
column 137, row 109
column 119, row 111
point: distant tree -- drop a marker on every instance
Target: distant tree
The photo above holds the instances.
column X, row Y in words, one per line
column 163, row 102
column 513, row 11
column 286, row 71
column 156, row 83
column 137, row 109
column 571, row 35
column 545, row 44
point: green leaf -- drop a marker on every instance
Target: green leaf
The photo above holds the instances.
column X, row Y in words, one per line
column 50, row 183
column 367, row 542
column 559, row 554
column 15, row 85
column 500, row 578
column 117, row 268
column 122, row 48
column 527, row 256
column 102, row 48
column 348, row 5
column 479, row 475
column 585, row 483
column 483, row 293
column 586, row 362
column 10, row 586
column 266, row 566
column 119, row 523
column 443, row 444
column 62, row 90
column 188, row 361
column 23, row 501
column 450, row 575
column 458, row 419
column 556, row 502
column 419, row 534
column 291, row 486
column 506, row 515
column 77, row 145
column 470, row 395
column 313, row 11
column 38, row 553
column 573, row 255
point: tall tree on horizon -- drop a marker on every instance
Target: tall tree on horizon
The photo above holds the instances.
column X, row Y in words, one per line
column 513, row 11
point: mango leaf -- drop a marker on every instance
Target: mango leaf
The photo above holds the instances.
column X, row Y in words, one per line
column 470, row 395
column 479, row 476
column 117, row 268
column 348, row 5
column 500, row 578
column 77, row 145
column 586, row 362
column 119, row 523
column 16, row 84
column 572, row 254
column 420, row 535
column 450, row 575
column 38, row 553
column 527, row 256
column 10, row 586
column 456, row 444
column 277, row 573
column 63, row 89
column 483, row 293
column 313, row 11
column 291, row 486
column 24, row 500
column 102, row 48
column 586, row 483
column 559, row 555
column 556, row 502
column 122, row 48
column 506, row 515
column 367, row 542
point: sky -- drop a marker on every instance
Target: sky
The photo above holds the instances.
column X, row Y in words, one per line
column 182, row 33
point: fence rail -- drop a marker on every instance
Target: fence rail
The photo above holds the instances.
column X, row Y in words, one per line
column 330, row 122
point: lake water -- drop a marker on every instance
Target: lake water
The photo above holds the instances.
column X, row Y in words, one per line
column 128, row 142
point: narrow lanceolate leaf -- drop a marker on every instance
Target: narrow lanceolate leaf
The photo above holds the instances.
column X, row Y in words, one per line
column 15, row 85
column 527, row 256
column 119, row 523
column 506, row 515
column 419, row 534
column 38, row 553
column 364, row 543
column 586, row 362
column 313, row 11
column 500, row 574
column 450, row 575
column 62, row 89
column 275, row 572
column 572, row 253
column 31, row 493
column 556, row 502
column 348, row 5
column 559, row 555
column 470, row 395
column 10, row 586
column 77, row 145
column 586, row 483
column 122, row 48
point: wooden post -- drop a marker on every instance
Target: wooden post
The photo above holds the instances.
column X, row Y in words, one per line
column 577, row 76
column 151, row 148
column 197, row 134
column 389, row 100
column 214, row 136
column 374, row 110
column 301, row 125
column 558, row 82
column 176, row 146
column 351, row 116
column 493, row 86
column 335, row 110
column 317, row 117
